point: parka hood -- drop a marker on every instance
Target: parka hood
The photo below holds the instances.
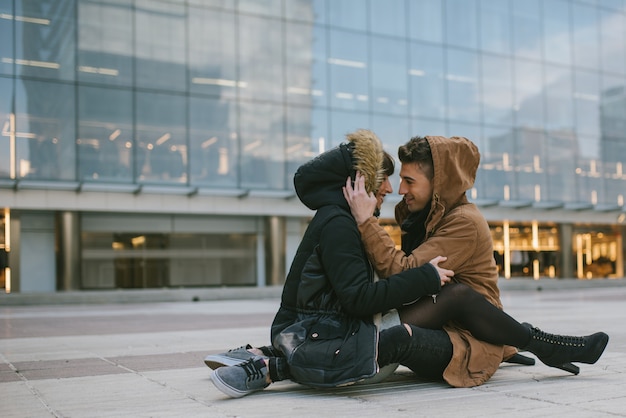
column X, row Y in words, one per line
column 455, row 162
column 319, row 182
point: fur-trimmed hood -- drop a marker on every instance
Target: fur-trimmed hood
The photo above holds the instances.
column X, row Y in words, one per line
column 319, row 181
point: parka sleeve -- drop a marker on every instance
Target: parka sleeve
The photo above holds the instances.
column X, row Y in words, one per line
column 350, row 274
column 454, row 240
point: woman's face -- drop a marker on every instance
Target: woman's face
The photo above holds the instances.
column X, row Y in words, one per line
column 384, row 189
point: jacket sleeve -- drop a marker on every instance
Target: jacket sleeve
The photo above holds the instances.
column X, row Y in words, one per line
column 350, row 274
column 455, row 240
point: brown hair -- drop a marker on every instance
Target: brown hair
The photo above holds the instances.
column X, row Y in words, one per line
column 417, row 150
column 389, row 165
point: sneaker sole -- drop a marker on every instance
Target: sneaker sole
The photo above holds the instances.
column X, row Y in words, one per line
column 216, row 361
column 222, row 386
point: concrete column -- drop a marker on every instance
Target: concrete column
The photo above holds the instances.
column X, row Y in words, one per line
column 275, row 238
column 566, row 235
column 68, row 257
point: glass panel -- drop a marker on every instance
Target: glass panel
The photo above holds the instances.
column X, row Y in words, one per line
column 342, row 123
column 586, row 102
column 559, row 98
column 529, row 102
column 348, row 70
column 348, row 14
column 212, row 57
column 497, row 162
column 530, row 165
column 261, row 7
column 614, row 157
column 462, row 23
column 463, row 92
column 6, row 34
column 557, row 32
column 307, row 133
column 261, row 58
column 104, row 50
column 7, row 141
column 393, row 131
column 44, row 39
column 105, row 134
column 214, row 150
column 306, row 64
column 388, row 17
column 426, row 20
column 561, row 152
column 427, row 81
column 161, row 138
column 389, row 76
column 597, row 251
column 423, row 127
column 313, row 11
column 495, row 26
column 527, row 29
column 262, row 162
column 160, row 58
column 497, row 90
column 612, row 35
column 585, row 36
column 222, row 4
column 44, row 130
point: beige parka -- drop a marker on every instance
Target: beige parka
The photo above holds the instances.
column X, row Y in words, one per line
column 456, row 229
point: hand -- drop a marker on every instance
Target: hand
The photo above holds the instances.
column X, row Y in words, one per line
column 362, row 204
column 445, row 275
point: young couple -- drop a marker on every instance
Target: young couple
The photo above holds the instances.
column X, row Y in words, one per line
column 339, row 324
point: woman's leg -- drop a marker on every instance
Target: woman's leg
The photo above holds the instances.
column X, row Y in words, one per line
column 462, row 304
column 426, row 352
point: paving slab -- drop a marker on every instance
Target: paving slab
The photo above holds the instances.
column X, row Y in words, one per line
column 144, row 359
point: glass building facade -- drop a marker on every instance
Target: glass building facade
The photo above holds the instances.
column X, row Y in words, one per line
column 152, row 143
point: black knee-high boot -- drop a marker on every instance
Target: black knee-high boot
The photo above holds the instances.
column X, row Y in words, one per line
column 561, row 351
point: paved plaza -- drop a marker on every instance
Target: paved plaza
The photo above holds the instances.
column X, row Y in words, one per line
column 144, row 359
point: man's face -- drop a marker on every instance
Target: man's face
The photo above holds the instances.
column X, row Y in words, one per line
column 416, row 188
column 384, row 189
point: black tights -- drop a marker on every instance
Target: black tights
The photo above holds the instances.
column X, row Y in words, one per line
column 460, row 303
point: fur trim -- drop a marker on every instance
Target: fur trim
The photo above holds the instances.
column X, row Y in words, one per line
column 368, row 157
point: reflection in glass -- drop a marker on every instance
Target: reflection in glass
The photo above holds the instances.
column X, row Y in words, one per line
column 161, row 138
column 160, row 60
column 529, row 100
column 585, row 36
column 261, row 57
column 213, row 142
column 462, row 23
column 262, row 161
column 556, row 31
column 44, row 130
column 427, row 81
column 44, row 39
column 343, row 122
column 426, row 17
column 308, row 11
column 497, row 162
column 261, row 7
column 612, row 34
column 527, row 29
column 6, row 34
column 388, row 17
column 562, row 154
column 462, row 80
column 495, row 26
column 105, row 135
column 105, row 52
column 559, row 97
column 348, row 70
column 306, row 68
column 212, row 53
column 530, row 165
column 7, row 134
column 347, row 14
column 587, row 102
column 389, row 76
column 497, row 90
column 307, row 133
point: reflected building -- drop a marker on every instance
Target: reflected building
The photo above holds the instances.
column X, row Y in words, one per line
column 152, row 143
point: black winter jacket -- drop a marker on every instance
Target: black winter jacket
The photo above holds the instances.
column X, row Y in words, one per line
column 324, row 325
